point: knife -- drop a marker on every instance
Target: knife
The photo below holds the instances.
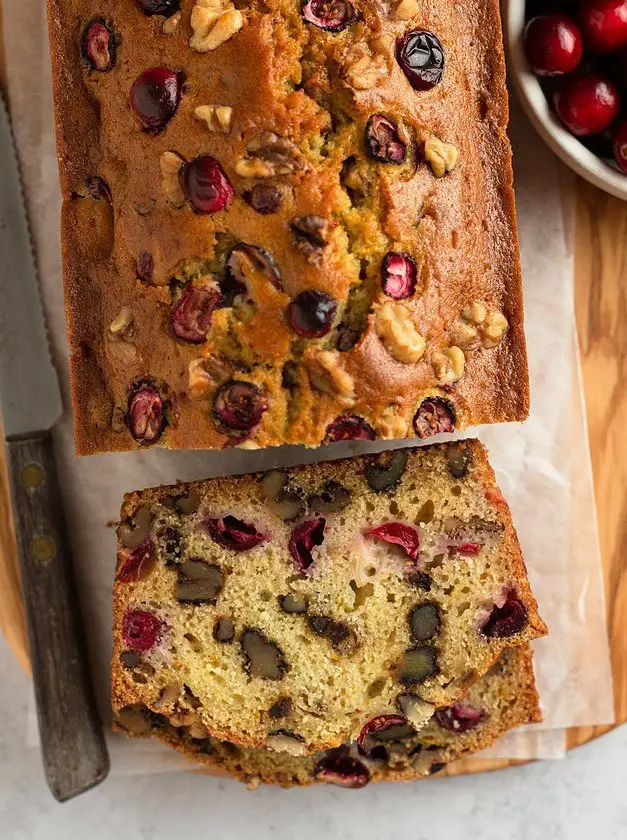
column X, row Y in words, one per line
column 73, row 748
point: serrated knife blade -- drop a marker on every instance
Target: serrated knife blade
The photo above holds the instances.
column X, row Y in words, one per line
column 29, row 389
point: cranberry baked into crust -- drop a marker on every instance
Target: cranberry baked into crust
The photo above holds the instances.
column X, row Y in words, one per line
column 298, row 610
column 504, row 698
column 280, row 220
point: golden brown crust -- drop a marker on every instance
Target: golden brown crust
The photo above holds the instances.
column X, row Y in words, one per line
column 281, row 75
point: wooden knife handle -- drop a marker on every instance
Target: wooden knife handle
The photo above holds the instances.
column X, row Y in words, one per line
column 72, row 741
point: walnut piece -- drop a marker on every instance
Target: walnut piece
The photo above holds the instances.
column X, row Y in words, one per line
column 213, row 22
column 170, row 164
column 406, row 10
column 269, row 155
column 217, row 117
column 391, row 424
column 442, row 157
column 449, row 365
column 479, row 326
column 396, row 329
column 362, row 69
column 170, row 25
column 493, row 328
column 122, row 324
column 327, row 374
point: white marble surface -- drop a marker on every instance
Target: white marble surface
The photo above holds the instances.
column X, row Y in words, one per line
column 580, row 797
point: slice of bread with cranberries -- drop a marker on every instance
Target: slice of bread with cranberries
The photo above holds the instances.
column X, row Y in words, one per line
column 376, row 585
column 504, row 698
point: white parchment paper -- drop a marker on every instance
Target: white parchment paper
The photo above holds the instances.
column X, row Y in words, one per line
column 542, row 466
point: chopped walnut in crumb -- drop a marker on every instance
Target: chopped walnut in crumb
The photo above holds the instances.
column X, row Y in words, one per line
column 170, row 25
column 493, row 328
column 269, row 155
column 396, row 329
column 170, row 164
column 213, row 22
column 122, row 324
column 327, row 374
column 217, row 117
column 406, row 10
column 362, row 69
column 442, row 157
column 448, row 365
column 391, row 425
column 479, row 326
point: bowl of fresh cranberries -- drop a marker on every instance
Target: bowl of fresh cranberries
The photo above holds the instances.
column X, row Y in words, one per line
column 569, row 63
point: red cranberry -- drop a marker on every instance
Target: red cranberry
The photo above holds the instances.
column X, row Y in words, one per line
column 619, row 145
column 138, row 562
column 587, row 104
column 553, row 45
column 383, row 140
column 338, row 768
column 144, row 267
column 234, row 534
column 331, row 15
column 303, row 540
column 239, row 405
column 506, row 620
column 434, row 415
column 421, row 58
column 141, row 630
column 191, row 314
column 398, row 275
column 311, row 313
column 205, row 185
column 158, row 7
column 146, row 413
column 98, row 46
column 398, row 533
column 604, row 25
column 460, row 717
column 468, row 548
column 349, row 427
column 155, row 96
column 264, row 198
column 384, row 727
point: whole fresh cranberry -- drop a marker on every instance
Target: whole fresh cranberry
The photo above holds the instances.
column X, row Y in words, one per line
column 421, row 58
column 506, row 620
column 434, row 415
column 303, row 540
column 159, row 7
column 383, row 140
column 604, row 25
column 553, row 44
column 587, row 104
column 137, row 563
column 619, row 145
column 191, row 314
column 349, row 427
column 331, row 15
column 400, row 534
column 141, row 630
column 235, row 534
column 398, row 275
column 205, row 185
column 460, row 717
column 239, row 406
column 155, row 96
column 311, row 313
column 146, row 412
column 339, row 768
column 98, row 46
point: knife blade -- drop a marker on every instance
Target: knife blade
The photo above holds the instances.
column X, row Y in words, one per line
column 73, row 749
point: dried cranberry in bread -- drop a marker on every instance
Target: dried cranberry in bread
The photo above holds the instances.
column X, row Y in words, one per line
column 377, row 585
column 504, row 698
column 304, row 212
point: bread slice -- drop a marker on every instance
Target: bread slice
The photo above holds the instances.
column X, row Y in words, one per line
column 504, row 698
column 344, row 591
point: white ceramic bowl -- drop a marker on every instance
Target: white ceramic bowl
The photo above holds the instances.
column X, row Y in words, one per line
column 562, row 142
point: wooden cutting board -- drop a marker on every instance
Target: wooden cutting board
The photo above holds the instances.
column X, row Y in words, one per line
column 601, row 303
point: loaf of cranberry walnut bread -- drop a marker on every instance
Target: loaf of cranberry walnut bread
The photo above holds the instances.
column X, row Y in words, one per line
column 371, row 586
column 286, row 221
column 504, row 698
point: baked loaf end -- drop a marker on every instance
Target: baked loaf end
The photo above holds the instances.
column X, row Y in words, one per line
column 275, row 231
column 504, row 698
column 289, row 610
